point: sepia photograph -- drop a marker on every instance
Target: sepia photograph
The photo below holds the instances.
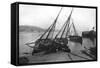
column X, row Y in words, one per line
column 56, row 34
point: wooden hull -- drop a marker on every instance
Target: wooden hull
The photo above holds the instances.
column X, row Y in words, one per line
column 50, row 46
column 77, row 39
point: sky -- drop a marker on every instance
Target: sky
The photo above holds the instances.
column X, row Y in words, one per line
column 43, row 16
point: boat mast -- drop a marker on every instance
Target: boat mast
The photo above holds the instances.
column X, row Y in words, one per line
column 51, row 31
column 68, row 30
column 50, row 28
column 65, row 25
column 74, row 28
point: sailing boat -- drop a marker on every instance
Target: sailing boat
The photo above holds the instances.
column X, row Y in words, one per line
column 59, row 43
column 49, row 44
column 73, row 34
column 60, row 39
column 46, row 40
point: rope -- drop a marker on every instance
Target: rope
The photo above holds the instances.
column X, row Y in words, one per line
column 79, row 56
column 70, row 57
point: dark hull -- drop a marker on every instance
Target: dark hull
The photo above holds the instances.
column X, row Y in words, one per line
column 89, row 34
column 50, row 46
column 77, row 39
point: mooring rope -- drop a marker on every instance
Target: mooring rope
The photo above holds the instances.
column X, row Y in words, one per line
column 79, row 56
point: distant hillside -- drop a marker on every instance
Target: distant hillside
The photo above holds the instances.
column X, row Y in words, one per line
column 30, row 29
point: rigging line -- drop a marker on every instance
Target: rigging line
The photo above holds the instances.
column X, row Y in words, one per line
column 59, row 13
column 50, row 26
column 69, row 27
column 46, row 31
column 63, row 31
column 50, row 31
column 54, row 22
column 70, row 57
column 67, row 21
column 53, row 27
column 63, row 26
column 68, row 30
column 33, row 39
column 74, row 28
column 53, row 31
column 79, row 56
column 59, row 31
